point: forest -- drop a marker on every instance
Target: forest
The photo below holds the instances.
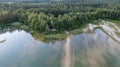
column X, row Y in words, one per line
column 56, row 16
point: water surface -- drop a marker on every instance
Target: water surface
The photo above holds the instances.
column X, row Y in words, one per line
column 97, row 49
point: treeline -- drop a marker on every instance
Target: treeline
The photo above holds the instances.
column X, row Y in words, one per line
column 59, row 7
column 43, row 17
column 42, row 22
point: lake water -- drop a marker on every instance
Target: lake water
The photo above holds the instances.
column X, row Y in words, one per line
column 97, row 49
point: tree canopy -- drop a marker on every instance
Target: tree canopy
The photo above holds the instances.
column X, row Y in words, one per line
column 43, row 17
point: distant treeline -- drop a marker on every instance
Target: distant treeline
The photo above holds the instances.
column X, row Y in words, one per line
column 38, row 1
column 43, row 17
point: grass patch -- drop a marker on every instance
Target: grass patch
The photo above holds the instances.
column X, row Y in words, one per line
column 16, row 24
column 117, row 33
column 114, row 21
column 77, row 31
column 96, row 22
column 25, row 27
column 39, row 36
column 59, row 36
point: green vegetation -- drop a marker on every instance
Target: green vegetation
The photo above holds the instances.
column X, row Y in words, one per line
column 54, row 18
column 115, row 21
column 60, row 36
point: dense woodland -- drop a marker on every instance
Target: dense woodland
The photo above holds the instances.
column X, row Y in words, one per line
column 36, row 1
column 43, row 17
